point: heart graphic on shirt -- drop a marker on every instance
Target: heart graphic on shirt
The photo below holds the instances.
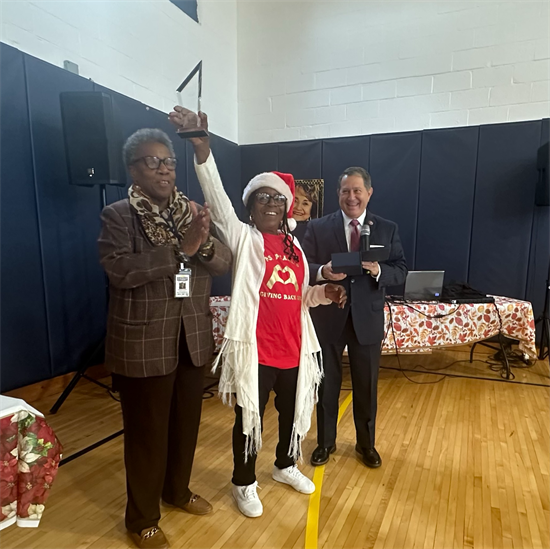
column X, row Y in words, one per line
column 284, row 275
column 277, row 276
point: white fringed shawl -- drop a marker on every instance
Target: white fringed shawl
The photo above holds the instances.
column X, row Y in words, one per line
column 238, row 356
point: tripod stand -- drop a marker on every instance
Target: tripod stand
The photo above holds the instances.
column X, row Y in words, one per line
column 81, row 373
column 544, row 318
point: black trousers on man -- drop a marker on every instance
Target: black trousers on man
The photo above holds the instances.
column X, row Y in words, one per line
column 364, row 366
column 284, row 383
column 161, row 417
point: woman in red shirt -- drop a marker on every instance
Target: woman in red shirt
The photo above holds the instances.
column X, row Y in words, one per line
column 269, row 341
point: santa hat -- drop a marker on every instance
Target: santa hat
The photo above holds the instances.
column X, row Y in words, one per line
column 281, row 182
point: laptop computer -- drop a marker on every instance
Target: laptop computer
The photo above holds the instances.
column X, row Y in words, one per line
column 423, row 285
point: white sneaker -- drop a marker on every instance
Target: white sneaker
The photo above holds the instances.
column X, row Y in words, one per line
column 247, row 500
column 298, row 481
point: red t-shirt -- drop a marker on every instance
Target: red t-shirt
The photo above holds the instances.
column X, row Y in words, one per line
column 279, row 329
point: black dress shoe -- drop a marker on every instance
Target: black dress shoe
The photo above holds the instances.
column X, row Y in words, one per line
column 321, row 455
column 371, row 458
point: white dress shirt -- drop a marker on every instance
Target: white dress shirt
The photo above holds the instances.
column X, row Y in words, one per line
column 348, row 228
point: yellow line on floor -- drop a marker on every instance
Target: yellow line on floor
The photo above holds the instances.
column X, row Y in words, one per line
column 312, row 525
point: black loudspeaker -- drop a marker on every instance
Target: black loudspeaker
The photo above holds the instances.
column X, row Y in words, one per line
column 542, row 195
column 93, row 141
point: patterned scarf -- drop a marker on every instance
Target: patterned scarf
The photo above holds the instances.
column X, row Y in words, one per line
column 157, row 224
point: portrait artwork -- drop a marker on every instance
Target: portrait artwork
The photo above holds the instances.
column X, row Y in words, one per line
column 308, row 203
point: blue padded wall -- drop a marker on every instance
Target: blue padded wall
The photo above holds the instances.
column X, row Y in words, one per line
column 339, row 154
column 442, row 187
column 446, row 200
column 302, row 159
column 463, row 199
column 503, row 207
column 395, row 170
column 53, row 288
column 539, row 259
column 131, row 115
column 256, row 159
column 25, row 354
column 227, row 159
column 69, row 224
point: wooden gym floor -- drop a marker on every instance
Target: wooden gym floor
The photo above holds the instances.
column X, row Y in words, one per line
column 465, row 464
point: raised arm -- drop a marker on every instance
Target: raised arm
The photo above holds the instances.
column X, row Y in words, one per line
column 223, row 214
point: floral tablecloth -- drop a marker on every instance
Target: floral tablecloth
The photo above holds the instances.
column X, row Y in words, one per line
column 29, row 460
column 415, row 328
column 426, row 325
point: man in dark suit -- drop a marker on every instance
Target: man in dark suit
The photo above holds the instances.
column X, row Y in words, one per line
column 360, row 325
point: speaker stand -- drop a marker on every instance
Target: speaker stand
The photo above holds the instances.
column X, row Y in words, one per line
column 81, row 373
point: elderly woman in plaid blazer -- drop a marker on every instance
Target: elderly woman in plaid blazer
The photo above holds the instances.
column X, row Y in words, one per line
column 158, row 345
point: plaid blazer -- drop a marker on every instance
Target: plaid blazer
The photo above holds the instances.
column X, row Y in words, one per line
column 145, row 319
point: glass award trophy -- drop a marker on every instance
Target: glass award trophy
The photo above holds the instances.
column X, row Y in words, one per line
column 192, row 124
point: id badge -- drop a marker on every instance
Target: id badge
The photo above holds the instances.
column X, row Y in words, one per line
column 182, row 283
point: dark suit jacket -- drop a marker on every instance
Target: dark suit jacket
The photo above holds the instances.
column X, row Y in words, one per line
column 300, row 230
column 144, row 321
column 326, row 236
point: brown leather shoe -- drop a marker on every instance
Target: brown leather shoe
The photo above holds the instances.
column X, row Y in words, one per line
column 150, row 538
column 197, row 506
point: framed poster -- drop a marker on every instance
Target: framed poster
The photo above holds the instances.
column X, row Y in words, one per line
column 308, row 201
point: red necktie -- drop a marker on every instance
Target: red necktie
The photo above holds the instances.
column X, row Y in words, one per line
column 354, row 237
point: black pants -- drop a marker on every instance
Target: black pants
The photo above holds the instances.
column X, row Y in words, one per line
column 283, row 382
column 364, row 366
column 161, row 423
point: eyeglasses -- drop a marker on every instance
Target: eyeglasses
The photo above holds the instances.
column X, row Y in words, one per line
column 264, row 198
column 153, row 162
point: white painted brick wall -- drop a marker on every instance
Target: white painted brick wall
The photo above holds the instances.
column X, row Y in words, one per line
column 303, row 69
column 383, row 90
column 140, row 49
column 510, row 94
column 452, row 81
column 365, row 109
column 540, row 91
column 421, row 85
column 375, row 66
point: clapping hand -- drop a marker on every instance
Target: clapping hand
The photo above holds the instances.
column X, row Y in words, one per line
column 198, row 231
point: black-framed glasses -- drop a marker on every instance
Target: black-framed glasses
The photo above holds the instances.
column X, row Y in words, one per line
column 264, row 198
column 153, row 162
